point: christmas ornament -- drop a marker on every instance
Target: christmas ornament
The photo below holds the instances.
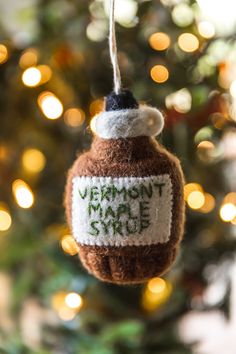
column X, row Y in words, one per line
column 124, row 197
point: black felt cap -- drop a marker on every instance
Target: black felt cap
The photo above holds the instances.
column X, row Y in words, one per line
column 122, row 100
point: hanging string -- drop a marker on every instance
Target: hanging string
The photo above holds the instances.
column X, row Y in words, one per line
column 113, row 49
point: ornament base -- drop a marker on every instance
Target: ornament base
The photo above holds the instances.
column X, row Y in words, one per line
column 127, row 265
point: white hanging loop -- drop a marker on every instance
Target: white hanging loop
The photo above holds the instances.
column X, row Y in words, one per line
column 113, row 49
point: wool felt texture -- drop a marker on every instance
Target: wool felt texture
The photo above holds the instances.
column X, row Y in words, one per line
column 122, row 211
column 122, row 100
column 136, row 157
column 128, row 123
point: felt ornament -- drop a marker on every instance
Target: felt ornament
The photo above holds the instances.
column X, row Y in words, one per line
column 124, row 197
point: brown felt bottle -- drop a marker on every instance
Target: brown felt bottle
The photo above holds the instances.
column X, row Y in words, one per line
column 124, row 197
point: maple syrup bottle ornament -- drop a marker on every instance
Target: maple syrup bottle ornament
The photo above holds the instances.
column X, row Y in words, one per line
column 124, row 197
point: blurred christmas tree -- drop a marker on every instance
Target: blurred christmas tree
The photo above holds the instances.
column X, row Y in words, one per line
column 54, row 71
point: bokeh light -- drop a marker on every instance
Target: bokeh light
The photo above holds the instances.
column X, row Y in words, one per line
column 31, row 77
column 196, row 200
column 209, row 203
column 74, row 117
column 33, row 160
column 3, row 53
column 66, row 313
column 233, row 89
column 203, row 134
column 159, row 73
column 66, row 304
column 156, row 293
column 159, row 41
column 73, row 300
column 97, row 30
column 125, row 11
column 50, row 105
column 206, row 29
column 208, row 152
column 230, row 198
column 218, row 120
column 3, row 153
column 180, row 100
column 206, row 145
column 58, row 300
column 69, row 246
column 46, row 73
column 5, row 219
column 191, row 187
column 156, row 285
column 28, row 58
column 220, row 13
column 228, row 212
column 188, row 42
column 35, row 76
column 92, row 125
column 182, row 15
column 96, row 107
column 23, row 194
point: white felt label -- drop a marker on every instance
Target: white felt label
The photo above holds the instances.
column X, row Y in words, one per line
column 122, row 211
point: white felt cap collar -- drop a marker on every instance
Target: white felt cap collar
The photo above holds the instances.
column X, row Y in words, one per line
column 128, row 123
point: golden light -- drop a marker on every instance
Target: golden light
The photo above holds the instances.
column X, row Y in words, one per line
column 28, row 58
column 233, row 89
column 206, row 29
column 3, row 53
column 74, row 117
column 36, row 75
column 23, row 194
column 191, row 187
column 69, row 245
column 31, row 77
column 188, row 42
column 206, row 146
column 73, row 300
column 233, row 222
column 223, row 79
column 50, row 105
column 227, row 72
column 209, row 204
column 96, row 107
column 58, row 300
column 159, row 73
column 66, row 305
column 159, row 41
column 33, row 160
column 66, row 314
column 46, row 73
column 230, row 198
column 3, row 152
column 206, row 151
column 228, row 212
column 196, row 200
column 157, row 296
column 5, row 219
column 92, row 125
column 156, row 285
